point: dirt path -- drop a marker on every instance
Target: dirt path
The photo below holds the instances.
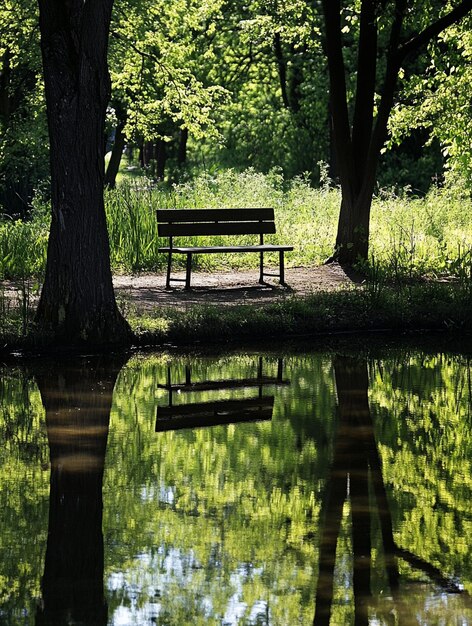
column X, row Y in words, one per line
column 146, row 291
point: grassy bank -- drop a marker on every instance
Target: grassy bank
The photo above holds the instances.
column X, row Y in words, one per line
column 411, row 237
column 431, row 306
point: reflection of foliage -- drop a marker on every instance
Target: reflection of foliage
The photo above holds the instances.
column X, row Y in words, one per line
column 203, row 524
column 422, row 405
column 23, row 495
column 239, row 501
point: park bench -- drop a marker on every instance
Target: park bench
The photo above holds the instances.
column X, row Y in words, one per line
column 217, row 412
column 223, row 222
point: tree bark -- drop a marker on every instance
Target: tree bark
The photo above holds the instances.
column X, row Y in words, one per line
column 161, row 158
column 358, row 150
column 77, row 303
column 282, row 69
column 182, row 147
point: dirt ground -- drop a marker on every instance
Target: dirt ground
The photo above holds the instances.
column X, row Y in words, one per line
column 144, row 292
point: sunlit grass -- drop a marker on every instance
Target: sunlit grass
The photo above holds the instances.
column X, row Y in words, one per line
column 427, row 306
column 410, row 237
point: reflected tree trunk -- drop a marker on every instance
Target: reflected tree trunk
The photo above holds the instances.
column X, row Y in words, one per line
column 77, row 400
column 335, row 495
column 356, row 462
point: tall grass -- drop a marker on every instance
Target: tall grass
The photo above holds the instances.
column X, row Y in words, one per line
column 23, row 246
column 410, row 237
column 305, row 217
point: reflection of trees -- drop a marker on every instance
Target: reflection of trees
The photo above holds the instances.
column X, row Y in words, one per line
column 77, row 399
column 355, row 464
column 356, row 475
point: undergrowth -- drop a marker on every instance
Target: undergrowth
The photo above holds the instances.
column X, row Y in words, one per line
column 429, row 306
column 410, row 237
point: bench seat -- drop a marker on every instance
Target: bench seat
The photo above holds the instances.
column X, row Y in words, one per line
column 222, row 249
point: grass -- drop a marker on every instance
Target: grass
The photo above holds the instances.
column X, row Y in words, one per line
column 429, row 306
column 410, row 237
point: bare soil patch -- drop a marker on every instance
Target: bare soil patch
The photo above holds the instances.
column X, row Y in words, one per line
column 145, row 292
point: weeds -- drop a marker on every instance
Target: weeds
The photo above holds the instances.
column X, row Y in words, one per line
column 17, row 307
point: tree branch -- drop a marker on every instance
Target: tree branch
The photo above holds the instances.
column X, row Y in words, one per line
column 434, row 29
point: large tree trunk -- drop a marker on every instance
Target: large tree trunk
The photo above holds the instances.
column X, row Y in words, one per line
column 77, row 301
column 352, row 239
column 77, row 398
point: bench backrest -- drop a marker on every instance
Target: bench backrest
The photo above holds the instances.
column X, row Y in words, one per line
column 205, row 222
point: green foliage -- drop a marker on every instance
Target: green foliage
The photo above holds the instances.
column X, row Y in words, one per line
column 298, row 207
column 277, row 115
column 23, row 247
column 377, row 306
column 411, row 237
column 438, row 100
column 159, row 55
column 24, row 162
column 247, row 80
column 24, row 494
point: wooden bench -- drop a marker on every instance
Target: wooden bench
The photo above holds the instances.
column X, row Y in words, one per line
column 206, row 222
column 217, row 412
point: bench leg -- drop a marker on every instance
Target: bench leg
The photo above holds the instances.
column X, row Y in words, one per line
column 282, row 267
column 189, row 270
column 169, row 264
column 261, row 268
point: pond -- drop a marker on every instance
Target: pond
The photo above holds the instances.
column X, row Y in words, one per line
column 242, row 488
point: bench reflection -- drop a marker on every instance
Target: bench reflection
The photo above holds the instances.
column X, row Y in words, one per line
column 219, row 411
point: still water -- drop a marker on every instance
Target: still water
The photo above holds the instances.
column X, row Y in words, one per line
column 238, row 489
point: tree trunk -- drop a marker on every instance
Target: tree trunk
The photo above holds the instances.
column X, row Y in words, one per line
column 77, row 302
column 116, row 154
column 282, row 69
column 357, row 154
column 182, row 148
column 5, row 97
column 161, row 158
column 352, row 239
column 77, row 401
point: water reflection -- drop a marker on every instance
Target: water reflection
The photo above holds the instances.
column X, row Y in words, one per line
column 77, row 401
column 351, row 505
column 355, row 475
column 211, row 412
